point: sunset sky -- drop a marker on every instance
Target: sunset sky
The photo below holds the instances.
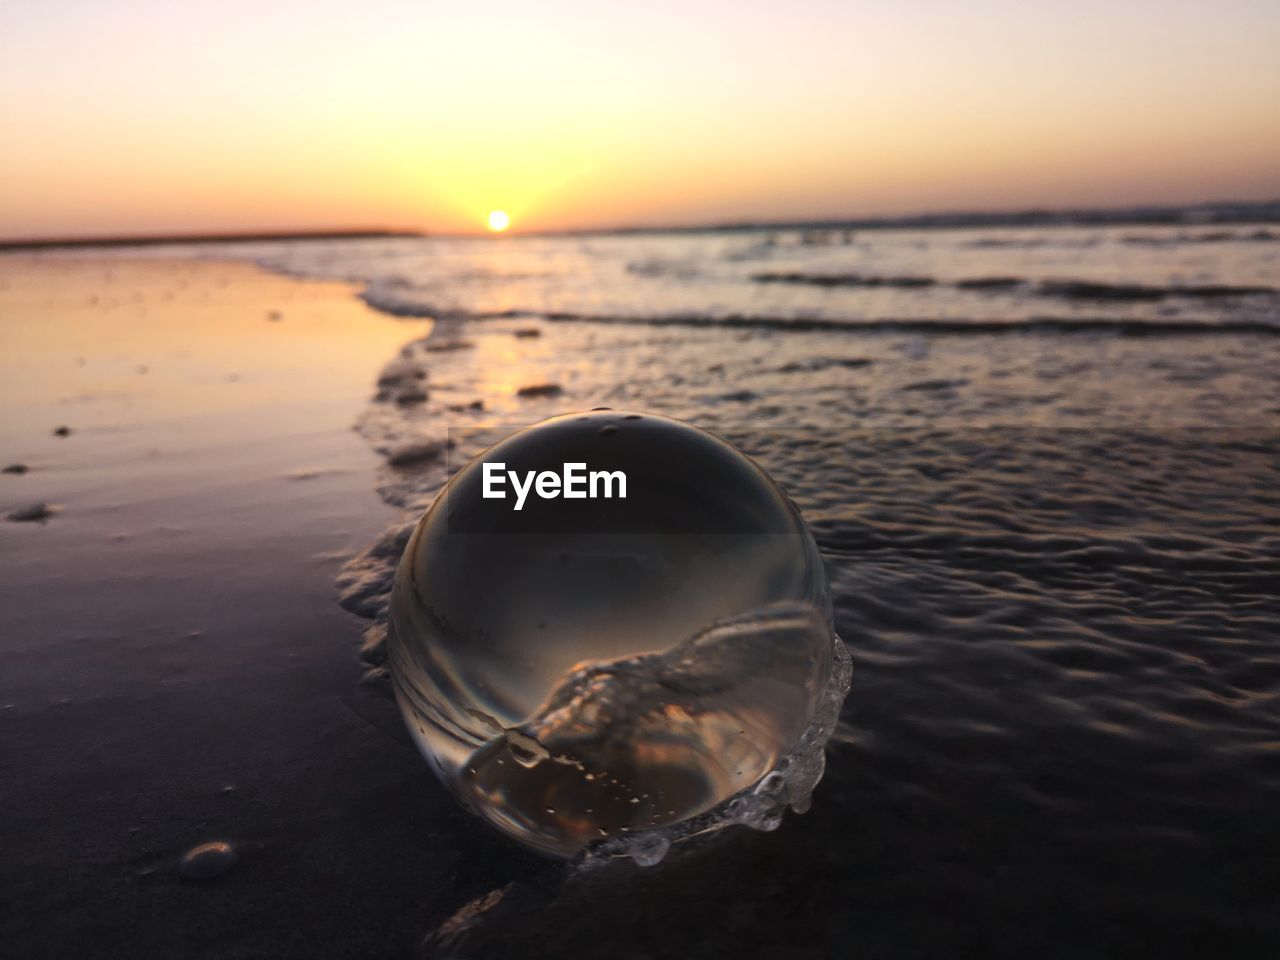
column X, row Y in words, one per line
column 150, row 116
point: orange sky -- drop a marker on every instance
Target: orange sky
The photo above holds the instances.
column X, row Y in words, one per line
column 177, row 117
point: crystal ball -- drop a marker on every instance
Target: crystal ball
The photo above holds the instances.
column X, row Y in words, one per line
column 633, row 647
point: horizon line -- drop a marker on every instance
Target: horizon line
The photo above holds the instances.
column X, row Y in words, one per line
column 1212, row 212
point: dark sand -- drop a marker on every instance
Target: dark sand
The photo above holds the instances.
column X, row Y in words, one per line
column 173, row 668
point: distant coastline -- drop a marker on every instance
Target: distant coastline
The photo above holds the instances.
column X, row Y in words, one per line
column 1191, row 215
column 256, row 236
column 1224, row 212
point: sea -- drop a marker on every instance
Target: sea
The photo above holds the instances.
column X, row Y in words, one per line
column 1041, row 460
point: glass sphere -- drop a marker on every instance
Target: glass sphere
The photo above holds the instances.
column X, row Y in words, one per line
column 591, row 667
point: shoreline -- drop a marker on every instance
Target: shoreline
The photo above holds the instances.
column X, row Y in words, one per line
column 175, row 669
column 1207, row 214
column 37, row 244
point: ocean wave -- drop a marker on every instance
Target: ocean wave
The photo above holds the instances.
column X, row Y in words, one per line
column 990, row 283
column 1212, row 236
column 1066, row 289
column 844, row 280
column 661, row 267
column 1036, row 242
column 1092, row 290
column 1122, row 327
column 385, row 299
column 1260, row 235
column 906, row 325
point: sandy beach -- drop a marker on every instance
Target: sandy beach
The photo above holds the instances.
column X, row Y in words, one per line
column 175, row 669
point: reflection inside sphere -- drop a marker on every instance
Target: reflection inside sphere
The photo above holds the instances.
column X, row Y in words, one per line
column 591, row 668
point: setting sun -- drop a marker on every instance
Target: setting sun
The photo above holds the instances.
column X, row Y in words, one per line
column 498, row 221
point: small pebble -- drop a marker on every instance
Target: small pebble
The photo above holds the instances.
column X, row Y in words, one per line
column 540, row 390
column 208, row 861
column 16, row 468
column 412, row 454
column 62, row 432
column 32, row 512
column 410, row 396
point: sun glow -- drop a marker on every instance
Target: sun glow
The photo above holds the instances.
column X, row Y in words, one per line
column 545, row 109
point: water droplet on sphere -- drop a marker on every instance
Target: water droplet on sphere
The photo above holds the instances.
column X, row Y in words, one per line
column 678, row 637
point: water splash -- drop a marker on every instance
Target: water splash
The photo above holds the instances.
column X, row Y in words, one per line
column 642, row 743
column 760, row 806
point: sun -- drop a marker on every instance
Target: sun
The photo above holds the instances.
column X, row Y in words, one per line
column 498, row 221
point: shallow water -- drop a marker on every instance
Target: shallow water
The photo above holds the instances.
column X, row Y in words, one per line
column 1049, row 509
column 1042, row 468
column 1214, row 276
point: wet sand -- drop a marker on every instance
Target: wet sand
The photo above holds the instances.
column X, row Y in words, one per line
column 1060, row 742
column 173, row 668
